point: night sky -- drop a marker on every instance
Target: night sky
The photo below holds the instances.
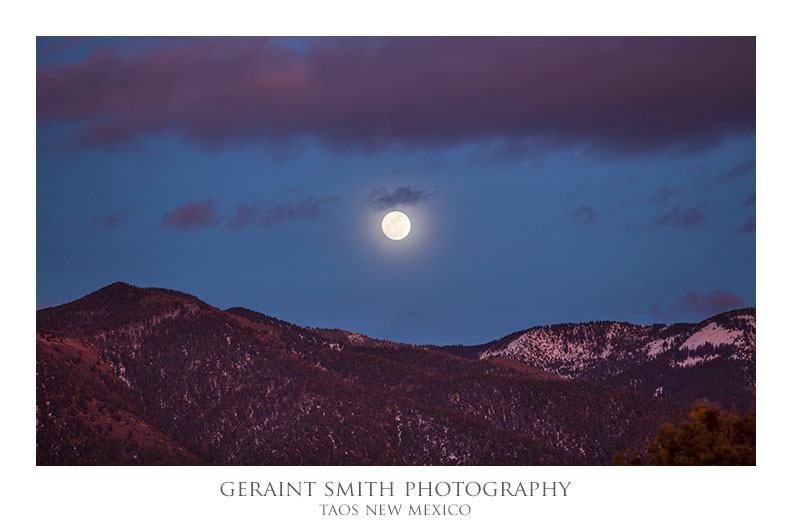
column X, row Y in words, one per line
column 547, row 180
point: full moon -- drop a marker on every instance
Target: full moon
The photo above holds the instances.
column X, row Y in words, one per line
column 396, row 225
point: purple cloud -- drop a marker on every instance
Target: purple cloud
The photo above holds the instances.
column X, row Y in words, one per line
column 252, row 215
column 114, row 219
column 60, row 44
column 385, row 198
column 749, row 226
column 681, row 217
column 585, row 215
column 618, row 93
column 109, row 221
column 743, row 169
column 191, row 216
column 708, row 304
column 750, row 200
column 663, row 195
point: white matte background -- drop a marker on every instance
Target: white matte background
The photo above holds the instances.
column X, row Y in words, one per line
column 181, row 498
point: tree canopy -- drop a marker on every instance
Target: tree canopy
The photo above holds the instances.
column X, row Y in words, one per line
column 707, row 437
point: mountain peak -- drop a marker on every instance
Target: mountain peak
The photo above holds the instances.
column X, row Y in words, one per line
column 118, row 287
column 112, row 305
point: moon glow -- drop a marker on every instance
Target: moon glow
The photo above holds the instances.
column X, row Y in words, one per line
column 396, row 225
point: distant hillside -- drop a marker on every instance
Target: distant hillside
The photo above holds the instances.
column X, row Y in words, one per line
column 712, row 360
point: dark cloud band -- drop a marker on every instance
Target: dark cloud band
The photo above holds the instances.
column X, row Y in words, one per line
column 621, row 94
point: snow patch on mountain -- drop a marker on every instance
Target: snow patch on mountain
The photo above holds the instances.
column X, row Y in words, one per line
column 657, row 347
column 693, row 361
column 356, row 338
column 711, row 334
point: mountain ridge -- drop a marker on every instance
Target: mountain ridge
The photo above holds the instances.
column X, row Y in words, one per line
column 185, row 382
column 123, row 286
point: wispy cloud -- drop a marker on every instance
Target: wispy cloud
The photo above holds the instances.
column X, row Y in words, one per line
column 113, row 219
column 192, row 216
column 680, row 216
column 749, row 226
column 705, row 305
column 386, row 198
column 749, row 201
column 60, row 44
column 256, row 215
column 743, row 169
column 584, row 215
column 663, row 195
column 195, row 215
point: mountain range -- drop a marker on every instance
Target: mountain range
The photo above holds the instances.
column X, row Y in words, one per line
column 129, row 375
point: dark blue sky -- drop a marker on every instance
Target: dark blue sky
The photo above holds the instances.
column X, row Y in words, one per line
column 547, row 180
